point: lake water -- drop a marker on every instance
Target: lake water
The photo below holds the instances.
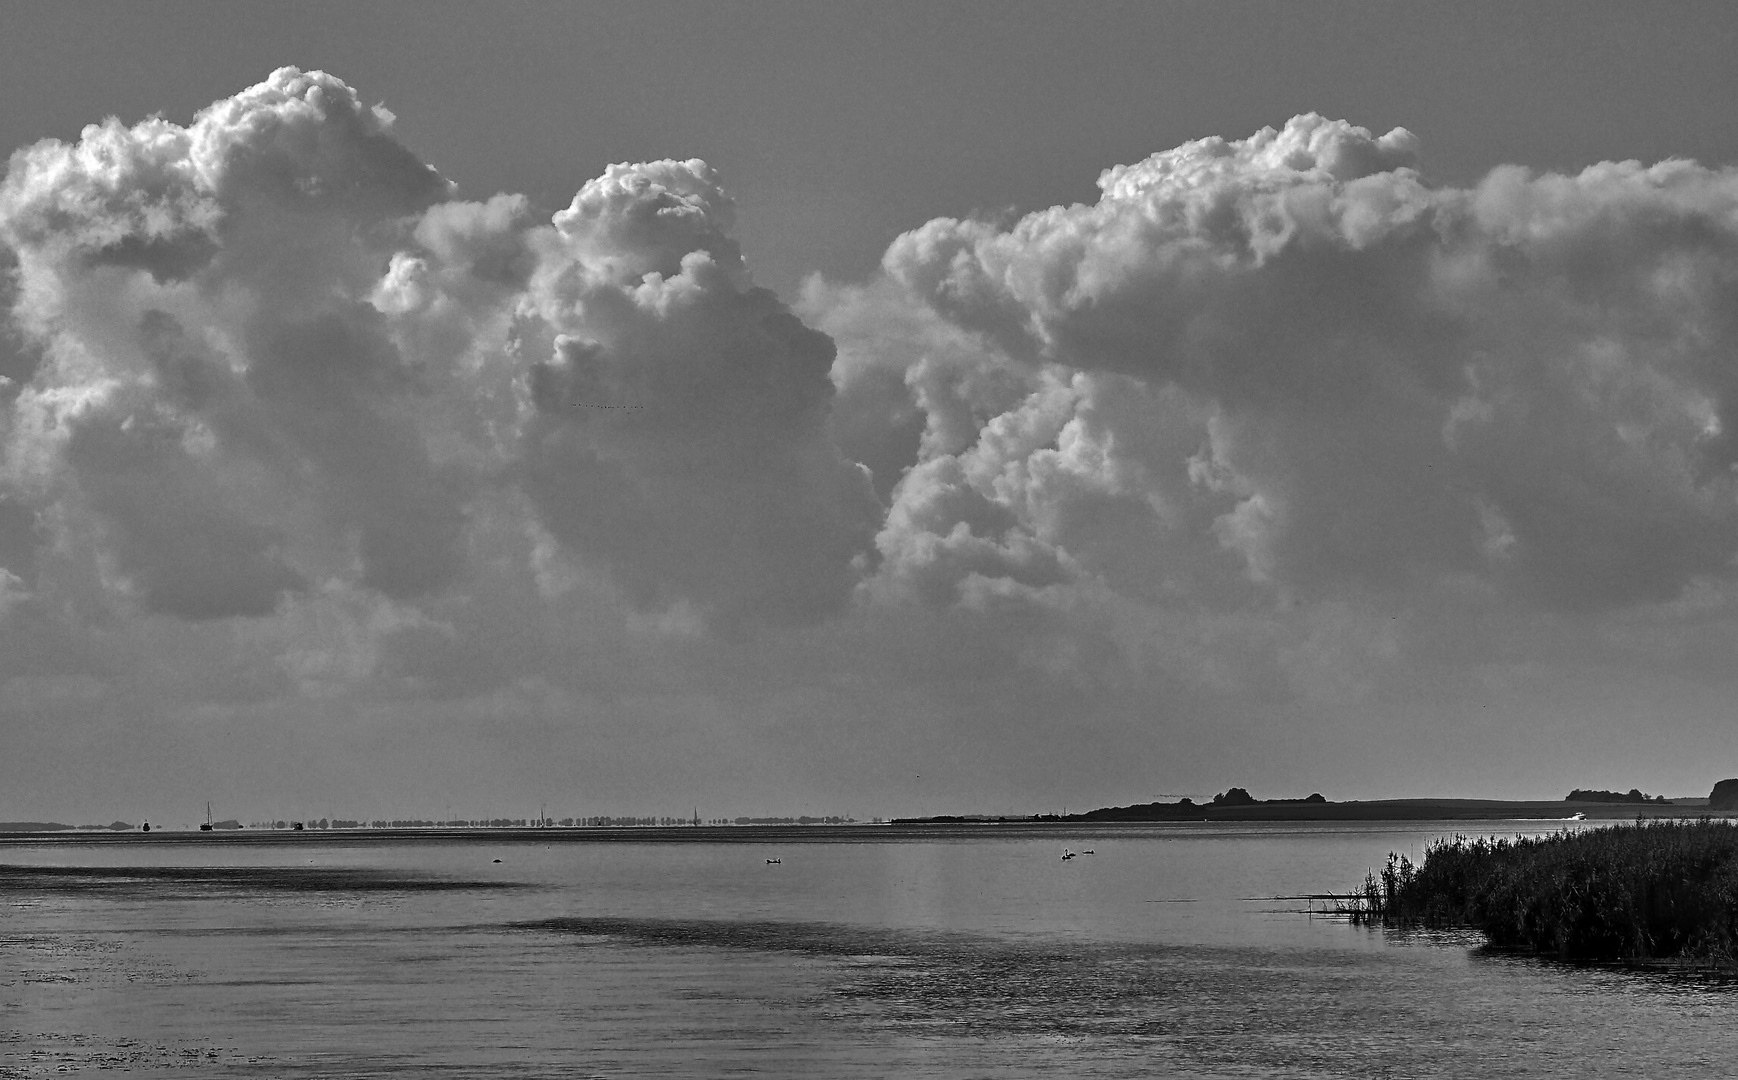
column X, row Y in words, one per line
column 978, row 953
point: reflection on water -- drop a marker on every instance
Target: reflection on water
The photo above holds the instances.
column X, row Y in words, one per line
column 965, row 958
column 161, row 882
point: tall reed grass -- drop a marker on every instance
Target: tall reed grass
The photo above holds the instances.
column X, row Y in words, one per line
column 1661, row 890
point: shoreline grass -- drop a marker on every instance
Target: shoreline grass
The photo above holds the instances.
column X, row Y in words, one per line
column 1644, row 893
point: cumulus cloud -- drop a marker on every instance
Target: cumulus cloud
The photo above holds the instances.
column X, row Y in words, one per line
column 1294, row 350
column 1275, row 425
column 271, row 353
column 680, row 419
column 217, row 399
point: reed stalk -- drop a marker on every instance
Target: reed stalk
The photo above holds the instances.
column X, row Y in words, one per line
column 1656, row 891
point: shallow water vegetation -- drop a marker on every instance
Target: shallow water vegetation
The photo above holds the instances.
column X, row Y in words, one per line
column 1655, row 891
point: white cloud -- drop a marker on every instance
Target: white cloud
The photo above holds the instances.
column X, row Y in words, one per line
column 1276, row 431
column 678, row 430
column 1371, row 382
column 280, row 356
column 243, row 422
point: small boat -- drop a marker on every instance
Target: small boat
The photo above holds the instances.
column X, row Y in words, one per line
column 1577, row 816
column 774, row 862
column 207, row 826
column 1066, row 854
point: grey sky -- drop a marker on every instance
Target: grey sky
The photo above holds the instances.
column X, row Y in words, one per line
column 1385, row 456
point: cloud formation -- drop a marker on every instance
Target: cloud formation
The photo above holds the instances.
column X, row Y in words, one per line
column 1295, row 350
column 679, row 432
column 278, row 356
column 217, row 399
column 1276, row 427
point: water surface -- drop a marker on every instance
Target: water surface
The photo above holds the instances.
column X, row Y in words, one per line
column 980, row 953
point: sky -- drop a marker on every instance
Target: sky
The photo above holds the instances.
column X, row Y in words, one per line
column 432, row 410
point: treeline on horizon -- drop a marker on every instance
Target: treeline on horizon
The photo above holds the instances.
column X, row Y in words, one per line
column 1184, row 807
column 1656, row 891
column 1723, row 797
column 1633, row 795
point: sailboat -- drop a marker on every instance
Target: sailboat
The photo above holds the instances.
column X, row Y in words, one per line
column 207, row 826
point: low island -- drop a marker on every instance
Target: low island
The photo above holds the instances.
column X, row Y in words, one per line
column 1237, row 804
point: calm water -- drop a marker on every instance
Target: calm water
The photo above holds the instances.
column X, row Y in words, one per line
column 979, row 956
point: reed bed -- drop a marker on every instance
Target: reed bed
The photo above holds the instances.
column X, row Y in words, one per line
column 1656, row 891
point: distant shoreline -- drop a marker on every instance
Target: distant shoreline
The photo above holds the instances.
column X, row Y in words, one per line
column 938, row 827
column 1365, row 810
